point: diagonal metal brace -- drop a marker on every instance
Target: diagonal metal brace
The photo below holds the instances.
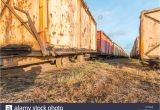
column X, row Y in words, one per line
column 152, row 49
column 158, row 21
column 18, row 17
column 33, row 29
column 7, row 2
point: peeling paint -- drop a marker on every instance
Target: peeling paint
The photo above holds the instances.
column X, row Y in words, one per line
column 60, row 22
column 150, row 34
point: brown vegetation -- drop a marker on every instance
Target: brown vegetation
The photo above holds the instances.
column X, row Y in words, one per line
column 108, row 81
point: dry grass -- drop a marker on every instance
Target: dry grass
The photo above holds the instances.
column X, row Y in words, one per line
column 96, row 82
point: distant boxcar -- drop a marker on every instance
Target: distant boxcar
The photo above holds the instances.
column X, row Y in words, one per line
column 104, row 44
column 135, row 49
column 45, row 28
column 118, row 51
column 115, row 50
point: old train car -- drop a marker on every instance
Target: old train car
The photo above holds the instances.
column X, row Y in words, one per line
column 150, row 35
column 123, row 53
column 115, row 50
column 118, row 51
column 135, row 49
column 32, row 31
column 104, row 44
column 107, row 48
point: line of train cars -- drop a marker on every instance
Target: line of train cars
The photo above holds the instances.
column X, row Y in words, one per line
column 35, row 31
column 147, row 46
column 106, row 47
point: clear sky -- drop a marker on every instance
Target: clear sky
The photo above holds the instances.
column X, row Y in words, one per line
column 119, row 19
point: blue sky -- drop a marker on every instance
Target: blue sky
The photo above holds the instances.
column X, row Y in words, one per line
column 120, row 18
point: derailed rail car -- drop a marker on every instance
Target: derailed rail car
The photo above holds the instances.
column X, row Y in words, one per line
column 148, row 46
column 104, row 44
column 32, row 31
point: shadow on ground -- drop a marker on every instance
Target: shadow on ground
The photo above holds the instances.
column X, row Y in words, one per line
column 16, row 80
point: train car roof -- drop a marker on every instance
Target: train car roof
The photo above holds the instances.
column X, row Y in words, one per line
column 88, row 11
column 151, row 11
column 105, row 35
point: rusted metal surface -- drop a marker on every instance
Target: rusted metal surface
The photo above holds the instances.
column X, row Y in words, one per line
column 3, row 8
column 150, row 34
column 115, row 50
column 30, row 27
column 105, row 46
column 93, row 35
column 15, row 50
column 135, row 49
column 104, row 43
column 62, row 23
column 49, row 27
column 70, row 26
column 59, row 24
column 85, row 29
column 118, row 51
column 12, row 30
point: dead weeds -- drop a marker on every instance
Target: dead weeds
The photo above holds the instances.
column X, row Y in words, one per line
column 111, row 81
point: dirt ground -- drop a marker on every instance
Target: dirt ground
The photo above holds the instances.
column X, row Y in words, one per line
column 110, row 81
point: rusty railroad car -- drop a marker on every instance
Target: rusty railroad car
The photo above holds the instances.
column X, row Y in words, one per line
column 119, row 51
column 33, row 31
column 149, row 44
column 150, row 35
column 106, row 47
column 135, row 49
column 104, row 44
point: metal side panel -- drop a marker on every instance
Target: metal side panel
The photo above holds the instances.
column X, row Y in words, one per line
column 63, row 23
column 85, row 29
column 151, row 35
column 12, row 31
column 93, row 36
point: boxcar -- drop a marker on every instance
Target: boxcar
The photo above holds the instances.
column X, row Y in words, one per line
column 150, row 35
column 118, row 51
column 50, row 28
column 104, row 44
column 135, row 49
column 115, row 50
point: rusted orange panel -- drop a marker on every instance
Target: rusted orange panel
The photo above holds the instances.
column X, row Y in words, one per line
column 150, row 34
column 85, row 29
column 12, row 31
column 104, row 43
column 61, row 23
column 79, row 25
column 42, row 21
column 93, row 35
column 98, row 41
column 71, row 26
column 135, row 49
column 141, row 37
